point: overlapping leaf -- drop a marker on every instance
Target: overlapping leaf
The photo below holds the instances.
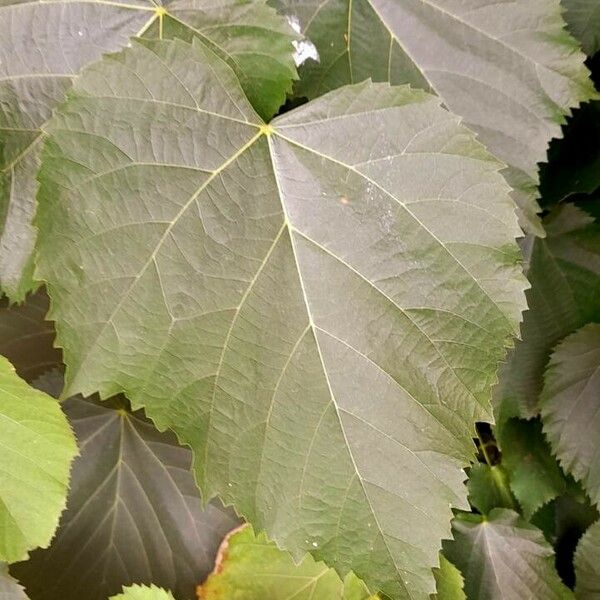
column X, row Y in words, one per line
column 587, row 566
column 133, row 514
column 583, row 18
column 250, row 567
column 37, row 449
column 449, row 581
column 564, row 271
column 535, row 477
column 489, row 488
column 508, row 68
column 313, row 306
column 570, row 406
column 26, row 338
column 45, row 43
column 503, row 556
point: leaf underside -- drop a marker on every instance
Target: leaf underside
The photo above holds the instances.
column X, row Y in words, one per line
column 313, row 306
column 37, row 449
column 133, row 516
column 504, row 556
column 43, row 46
column 570, row 406
column 583, row 18
column 26, row 338
column 509, row 69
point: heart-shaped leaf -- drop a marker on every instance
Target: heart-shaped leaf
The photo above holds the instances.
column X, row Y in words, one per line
column 313, row 305
column 504, row 556
column 133, row 514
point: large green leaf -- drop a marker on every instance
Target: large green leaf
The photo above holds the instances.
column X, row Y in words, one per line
column 45, row 43
column 534, row 475
column 142, row 592
column 26, row 338
column 570, row 406
column 587, row 565
column 502, row 556
column 583, row 18
column 37, row 449
column 250, row 567
column 9, row 588
column 133, row 514
column 508, row 68
column 564, row 271
column 313, row 306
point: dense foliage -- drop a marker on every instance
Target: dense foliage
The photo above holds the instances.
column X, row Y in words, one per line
column 290, row 294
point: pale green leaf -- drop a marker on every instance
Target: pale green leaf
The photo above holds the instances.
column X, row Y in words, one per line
column 489, row 488
column 44, row 44
column 250, row 567
column 583, row 19
column 449, row 581
column 509, row 69
column 535, row 477
column 502, row 556
column 9, row 588
column 133, row 514
column 570, row 406
column 587, row 565
column 37, row 449
column 313, row 306
column 26, row 338
column 142, row 592
column 564, row 272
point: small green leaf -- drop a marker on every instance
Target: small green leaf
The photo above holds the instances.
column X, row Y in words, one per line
column 449, row 581
column 503, row 556
column 534, row 475
column 587, row 565
column 583, row 19
column 564, row 272
column 142, row 592
column 9, row 588
column 489, row 488
column 571, row 406
column 250, row 567
column 37, row 449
